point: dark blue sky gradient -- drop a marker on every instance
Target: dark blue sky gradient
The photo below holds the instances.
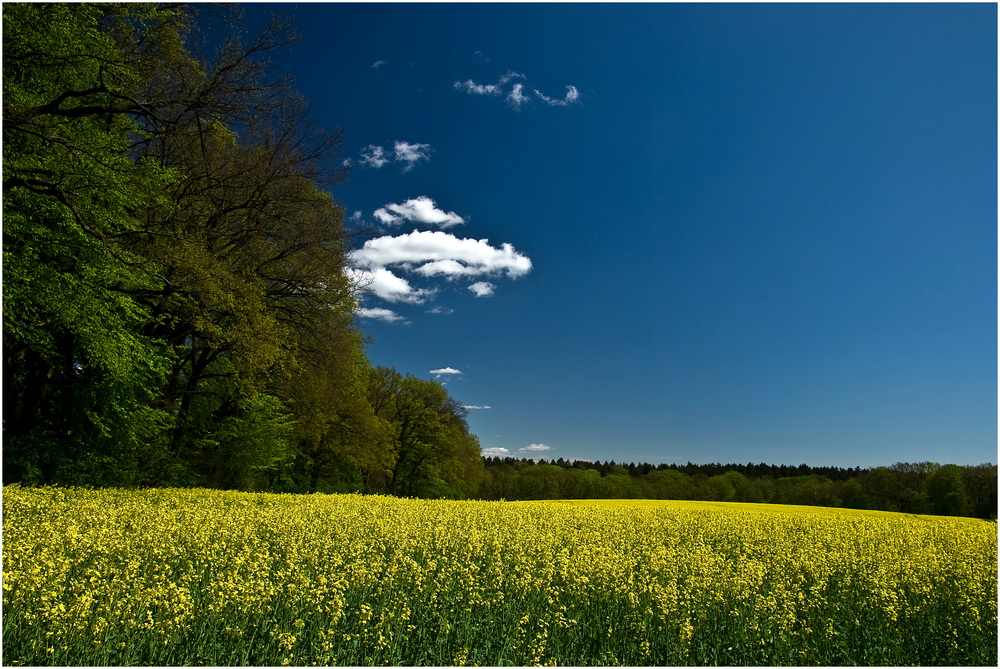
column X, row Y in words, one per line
column 761, row 233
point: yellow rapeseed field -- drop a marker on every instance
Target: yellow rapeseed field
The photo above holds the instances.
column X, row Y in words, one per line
column 181, row 577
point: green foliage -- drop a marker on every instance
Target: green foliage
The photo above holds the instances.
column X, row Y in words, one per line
column 946, row 491
column 854, row 496
column 78, row 368
column 980, row 483
column 176, row 310
column 918, row 488
column 430, row 451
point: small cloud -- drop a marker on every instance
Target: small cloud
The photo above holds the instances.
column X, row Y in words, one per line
column 441, row 310
column 478, row 55
column 379, row 63
column 572, row 95
column 516, row 98
column 418, row 210
column 495, row 452
column 510, row 75
column 445, row 370
column 482, row 288
column 473, row 407
column 402, row 152
column 472, row 88
column 373, row 156
column 386, row 285
column 386, row 315
column 534, row 448
column 411, row 154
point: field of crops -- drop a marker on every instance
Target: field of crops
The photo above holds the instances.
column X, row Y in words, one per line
column 182, row 577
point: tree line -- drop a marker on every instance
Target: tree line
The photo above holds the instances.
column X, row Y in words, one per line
column 175, row 305
column 921, row 488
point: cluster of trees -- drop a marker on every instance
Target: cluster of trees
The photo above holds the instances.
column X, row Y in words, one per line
column 175, row 305
column 925, row 487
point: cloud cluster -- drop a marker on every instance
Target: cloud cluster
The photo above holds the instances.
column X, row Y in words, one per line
column 430, row 254
column 473, row 407
column 418, row 210
column 534, row 448
column 402, row 152
column 495, row 451
column 384, row 266
column 516, row 97
column 445, row 371
column 435, row 253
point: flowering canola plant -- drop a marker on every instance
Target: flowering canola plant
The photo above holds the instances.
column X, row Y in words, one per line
column 190, row 577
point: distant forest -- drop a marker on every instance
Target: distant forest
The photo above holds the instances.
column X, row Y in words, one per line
column 923, row 488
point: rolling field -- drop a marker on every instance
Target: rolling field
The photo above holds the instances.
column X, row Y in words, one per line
column 182, row 577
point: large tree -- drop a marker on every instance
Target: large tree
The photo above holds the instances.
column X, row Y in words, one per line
column 78, row 367
column 173, row 261
column 430, row 451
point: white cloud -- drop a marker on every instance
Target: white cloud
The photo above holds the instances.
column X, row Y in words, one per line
column 402, row 152
column 424, row 248
column 373, row 156
column 379, row 63
column 510, row 75
column 472, row 88
column 516, row 98
column 418, row 210
column 482, row 288
column 445, row 370
column 450, row 268
column 388, row 286
column 572, row 95
column 535, row 448
column 441, row 310
column 495, row 452
column 386, row 315
column 411, row 154
column 473, row 407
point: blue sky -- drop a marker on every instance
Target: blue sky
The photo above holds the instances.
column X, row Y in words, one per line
column 671, row 233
